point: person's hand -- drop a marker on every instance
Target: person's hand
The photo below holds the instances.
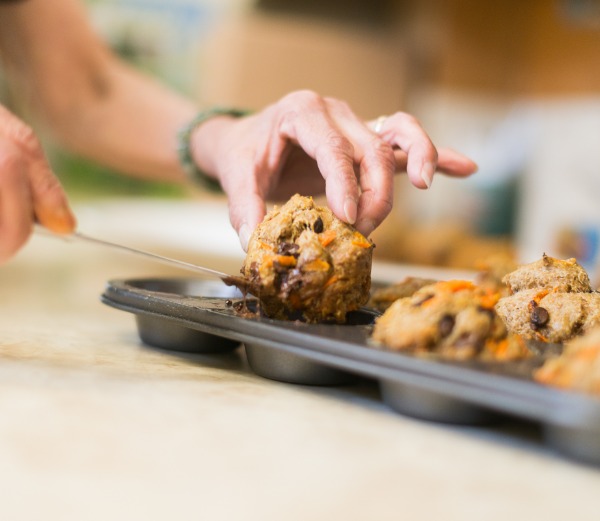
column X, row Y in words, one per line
column 310, row 144
column 29, row 191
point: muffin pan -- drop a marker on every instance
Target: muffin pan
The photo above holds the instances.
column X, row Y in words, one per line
column 200, row 316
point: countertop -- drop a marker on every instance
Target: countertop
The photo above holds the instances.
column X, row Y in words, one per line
column 95, row 425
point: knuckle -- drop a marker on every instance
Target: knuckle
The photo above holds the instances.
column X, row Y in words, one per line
column 386, row 205
column 48, row 186
column 383, row 153
column 305, row 98
column 10, row 162
column 407, row 119
column 25, row 136
column 339, row 105
column 338, row 143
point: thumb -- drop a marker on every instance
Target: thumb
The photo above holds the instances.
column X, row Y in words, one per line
column 246, row 208
column 50, row 204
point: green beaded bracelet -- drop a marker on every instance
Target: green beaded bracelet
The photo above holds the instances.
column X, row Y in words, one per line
column 183, row 146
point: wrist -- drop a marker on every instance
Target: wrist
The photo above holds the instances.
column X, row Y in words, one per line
column 196, row 142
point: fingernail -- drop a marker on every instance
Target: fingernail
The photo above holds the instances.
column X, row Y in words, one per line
column 244, row 235
column 61, row 220
column 366, row 227
column 350, row 210
column 427, row 173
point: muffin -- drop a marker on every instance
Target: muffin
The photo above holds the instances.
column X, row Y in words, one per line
column 453, row 319
column 304, row 263
column 551, row 301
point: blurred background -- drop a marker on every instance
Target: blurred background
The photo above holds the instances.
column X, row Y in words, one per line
column 513, row 84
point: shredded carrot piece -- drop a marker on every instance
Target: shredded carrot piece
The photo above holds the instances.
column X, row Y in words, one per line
column 536, row 299
column 332, row 279
column 540, row 337
column 489, row 300
column 360, row 240
column 501, row 348
column 288, row 261
column 455, row 285
column 327, row 237
column 317, row 265
column 266, row 246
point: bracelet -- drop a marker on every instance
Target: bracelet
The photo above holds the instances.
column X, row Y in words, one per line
column 184, row 146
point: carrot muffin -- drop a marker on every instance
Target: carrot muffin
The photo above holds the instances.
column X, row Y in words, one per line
column 453, row 319
column 305, row 263
column 551, row 300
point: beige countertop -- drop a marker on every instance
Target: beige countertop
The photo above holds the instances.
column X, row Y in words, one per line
column 95, row 425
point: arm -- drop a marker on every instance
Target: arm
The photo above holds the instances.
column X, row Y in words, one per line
column 93, row 103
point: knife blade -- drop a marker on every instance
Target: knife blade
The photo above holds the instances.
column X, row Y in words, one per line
column 231, row 280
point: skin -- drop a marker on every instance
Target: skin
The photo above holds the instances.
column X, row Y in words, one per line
column 95, row 105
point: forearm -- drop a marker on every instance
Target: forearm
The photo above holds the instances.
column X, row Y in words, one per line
column 92, row 103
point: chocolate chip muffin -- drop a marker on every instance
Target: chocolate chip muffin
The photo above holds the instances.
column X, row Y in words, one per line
column 453, row 319
column 304, row 263
column 551, row 301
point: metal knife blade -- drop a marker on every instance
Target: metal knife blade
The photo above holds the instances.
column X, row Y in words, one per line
column 230, row 280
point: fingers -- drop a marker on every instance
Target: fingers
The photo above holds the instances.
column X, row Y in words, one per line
column 455, row 164
column 450, row 162
column 306, row 121
column 405, row 132
column 245, row 198
column 15, row 202
column 257, row 160
column 50, row 205
column 375, row 166
column 29, row 190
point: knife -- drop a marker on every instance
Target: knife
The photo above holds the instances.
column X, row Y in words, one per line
column 231, row 280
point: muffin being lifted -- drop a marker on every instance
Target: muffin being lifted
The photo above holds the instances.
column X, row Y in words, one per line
column 304, row 263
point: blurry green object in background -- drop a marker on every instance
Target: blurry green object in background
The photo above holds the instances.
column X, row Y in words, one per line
column 85, row 179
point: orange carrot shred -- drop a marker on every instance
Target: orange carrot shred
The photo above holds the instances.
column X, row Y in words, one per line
column 288, row 261
column 327, row 237
column 317, row 265
column 360, row 241
column 331, row 280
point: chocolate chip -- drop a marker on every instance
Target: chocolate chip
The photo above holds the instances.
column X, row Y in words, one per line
column 446, row 325
column 318, row 225
column 539, row 317
column 288, row 248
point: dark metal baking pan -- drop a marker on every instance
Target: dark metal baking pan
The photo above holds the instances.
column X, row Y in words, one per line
column 326, row 354
column 168, row 334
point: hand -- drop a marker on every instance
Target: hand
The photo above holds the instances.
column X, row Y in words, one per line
column 309, row 144
column 29, row 191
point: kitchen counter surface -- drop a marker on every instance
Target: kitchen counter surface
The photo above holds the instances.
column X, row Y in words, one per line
column 95, row 425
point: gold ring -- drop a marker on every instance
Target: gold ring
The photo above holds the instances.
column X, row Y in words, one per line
column 378, row 125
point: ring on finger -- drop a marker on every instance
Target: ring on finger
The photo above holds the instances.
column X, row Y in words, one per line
column 378, row 125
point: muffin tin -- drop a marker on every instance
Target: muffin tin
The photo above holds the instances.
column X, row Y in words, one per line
column 200, row 316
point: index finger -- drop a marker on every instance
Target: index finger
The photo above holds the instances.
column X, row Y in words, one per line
column 313, row 129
